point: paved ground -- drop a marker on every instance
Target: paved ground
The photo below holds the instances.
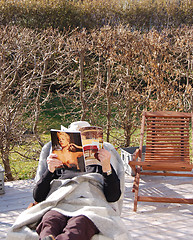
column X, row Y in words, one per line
column 152, row 220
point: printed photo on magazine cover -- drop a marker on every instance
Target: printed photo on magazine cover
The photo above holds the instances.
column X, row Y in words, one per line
column 69, row 149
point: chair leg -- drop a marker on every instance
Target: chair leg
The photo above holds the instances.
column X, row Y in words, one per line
column 136, row 189
column 134, row 185
column 134, row 182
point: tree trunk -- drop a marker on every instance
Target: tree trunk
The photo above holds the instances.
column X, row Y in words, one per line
column 108, row 96
column 127, row 136
column 6, row 163
column 83, row 104
column 37, row 103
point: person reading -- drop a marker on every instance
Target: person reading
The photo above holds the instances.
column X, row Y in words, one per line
column 74, row 204
column 55, row 225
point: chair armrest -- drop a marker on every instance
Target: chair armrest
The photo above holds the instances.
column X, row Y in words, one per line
column 136, row 154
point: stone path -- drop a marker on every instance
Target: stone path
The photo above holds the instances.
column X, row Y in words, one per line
column 160, row 220
column 151, row 221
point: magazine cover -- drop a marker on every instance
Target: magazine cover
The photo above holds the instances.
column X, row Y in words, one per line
column 92, row 141
column 69, row 149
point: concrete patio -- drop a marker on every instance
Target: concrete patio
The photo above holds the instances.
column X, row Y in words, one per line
column 152, row 220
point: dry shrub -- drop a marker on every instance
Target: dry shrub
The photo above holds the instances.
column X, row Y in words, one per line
column 107, row 76
column 139, row 14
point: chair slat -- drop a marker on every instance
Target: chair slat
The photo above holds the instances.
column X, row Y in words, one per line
column 165, row 200
column 168, row 158
column 167, row 153
column 168, row 122
column 169, row 138
column 167, row 144
column 165, row 130
column 167, row 114
column 167, row 174
column 165, row 168
column 160, row 164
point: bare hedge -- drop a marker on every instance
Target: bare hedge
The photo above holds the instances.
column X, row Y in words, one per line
column 107, row 77
column 139, row 14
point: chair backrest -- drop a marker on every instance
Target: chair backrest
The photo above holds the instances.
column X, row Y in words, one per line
column 167, row 137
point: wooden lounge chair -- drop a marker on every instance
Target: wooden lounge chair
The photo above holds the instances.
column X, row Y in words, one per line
column 167, row 151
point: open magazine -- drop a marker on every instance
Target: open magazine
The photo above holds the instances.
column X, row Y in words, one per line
column 77, row 149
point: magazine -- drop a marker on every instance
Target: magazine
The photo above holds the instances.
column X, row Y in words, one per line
column 69, row 149
column 77, row 149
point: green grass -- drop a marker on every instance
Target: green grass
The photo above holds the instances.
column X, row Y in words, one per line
column 25, row 167
column 53, row 114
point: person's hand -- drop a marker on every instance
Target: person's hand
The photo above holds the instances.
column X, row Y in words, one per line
column 53, row 162
column 72, row 147
column 104, row 156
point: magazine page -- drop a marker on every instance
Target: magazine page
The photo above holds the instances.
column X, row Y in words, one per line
column 92, row 141
column 69, row 149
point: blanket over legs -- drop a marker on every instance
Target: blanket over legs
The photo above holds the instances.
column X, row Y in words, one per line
column 81, row 195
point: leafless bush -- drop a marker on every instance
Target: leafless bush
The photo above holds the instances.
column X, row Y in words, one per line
column 107, row 76
column 28, row 63
column 60, row 14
